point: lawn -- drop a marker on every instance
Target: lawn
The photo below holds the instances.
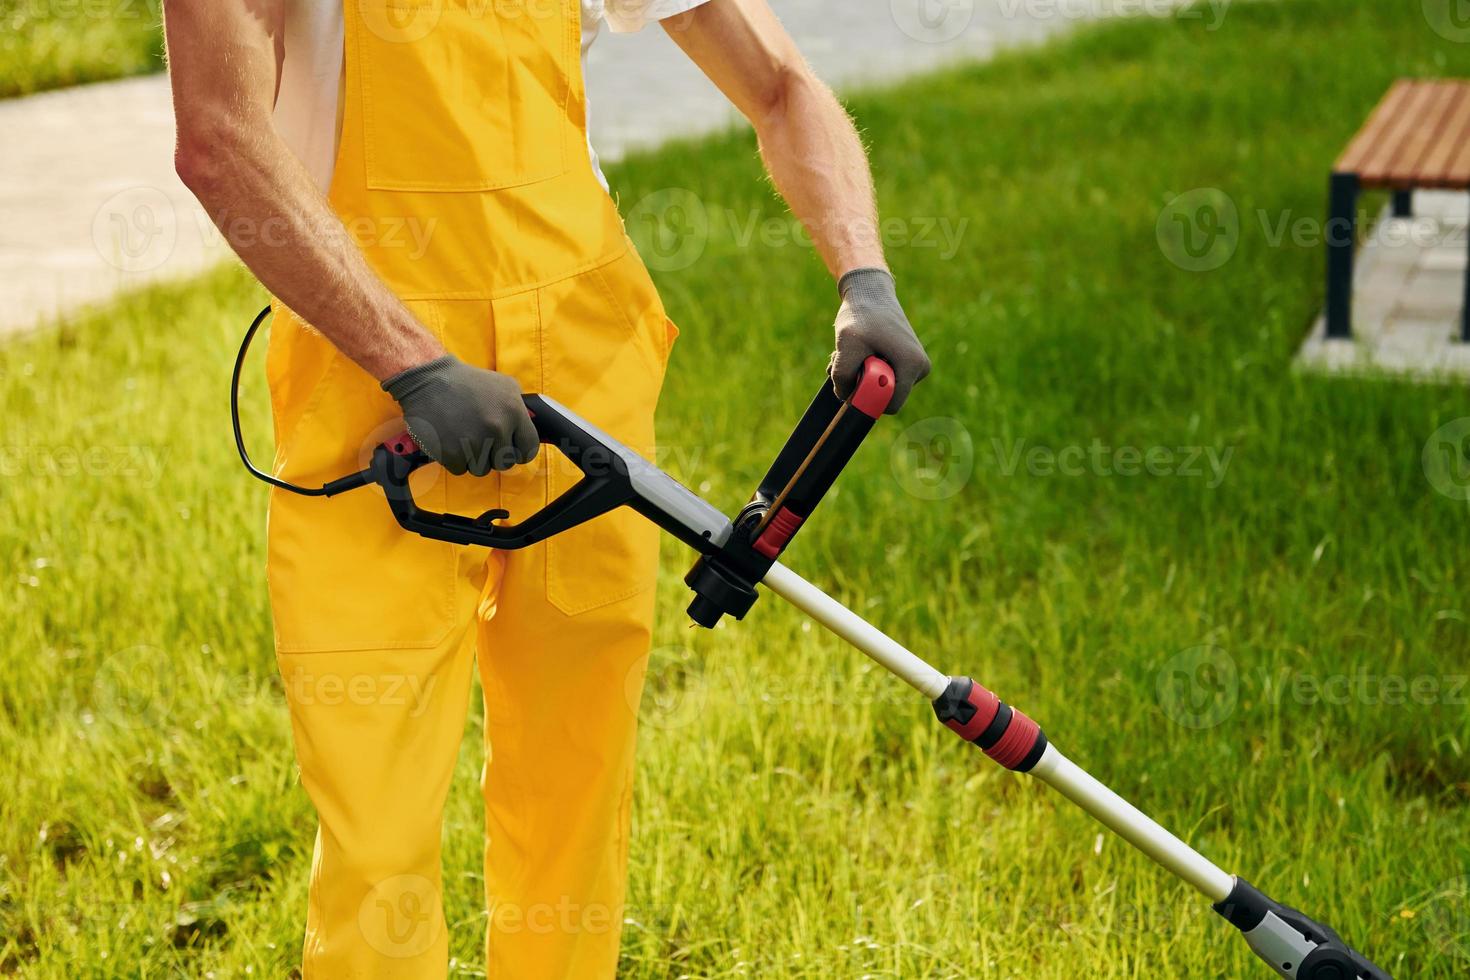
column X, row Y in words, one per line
column 47, row 44
column 1261, row 637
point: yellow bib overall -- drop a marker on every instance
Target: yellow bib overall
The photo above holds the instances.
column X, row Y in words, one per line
column 463, row 173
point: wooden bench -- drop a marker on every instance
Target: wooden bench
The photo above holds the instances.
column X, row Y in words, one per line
column 1417, row 137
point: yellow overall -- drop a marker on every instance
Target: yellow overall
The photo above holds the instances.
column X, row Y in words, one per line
column 463, row 173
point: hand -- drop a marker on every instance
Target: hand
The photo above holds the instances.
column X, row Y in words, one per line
column 466, row 418
column 870, row 321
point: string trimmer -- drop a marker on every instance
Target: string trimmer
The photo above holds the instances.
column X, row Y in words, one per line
column 736, row 556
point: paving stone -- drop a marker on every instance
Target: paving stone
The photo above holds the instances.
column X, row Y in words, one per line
column 1408, row 299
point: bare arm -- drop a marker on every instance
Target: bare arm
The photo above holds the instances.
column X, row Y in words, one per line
column 808, row 143
column 224, row 60
column 814, row 156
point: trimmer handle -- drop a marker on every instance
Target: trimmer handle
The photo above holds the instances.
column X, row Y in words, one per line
column 612, row 475
column 824, row 440
column 815, row 453
column 734, row 557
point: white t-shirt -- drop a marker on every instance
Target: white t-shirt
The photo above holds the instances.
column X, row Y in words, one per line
column 311, row 73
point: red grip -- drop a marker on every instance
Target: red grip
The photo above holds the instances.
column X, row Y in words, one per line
column 986, row 705
column 874, row 388
column 402, row 444
column 778, row 532
column 1017, row 742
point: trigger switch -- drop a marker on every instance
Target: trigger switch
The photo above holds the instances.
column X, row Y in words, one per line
column 488, row 518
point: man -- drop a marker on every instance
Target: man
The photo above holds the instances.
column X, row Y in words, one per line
column 412, row 182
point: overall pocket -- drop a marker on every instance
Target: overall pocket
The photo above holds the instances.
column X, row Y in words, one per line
column 342, row 574
column 605, row 340
column 464, row 95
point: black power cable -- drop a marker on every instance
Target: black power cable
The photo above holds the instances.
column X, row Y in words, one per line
column 351, row 482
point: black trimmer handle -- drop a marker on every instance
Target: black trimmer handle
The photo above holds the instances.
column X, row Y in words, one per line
column 732, row 560
column 612, row 476
column 822, row 443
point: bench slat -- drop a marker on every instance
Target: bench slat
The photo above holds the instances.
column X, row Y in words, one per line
column 1456, row 176
column 1435, row 168
column 1378, row 165
column 1423, row 129
column 1417, row 136
column 1379, row 121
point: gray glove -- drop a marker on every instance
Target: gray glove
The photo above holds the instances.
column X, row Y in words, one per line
column 466, row 418
column 870, row 321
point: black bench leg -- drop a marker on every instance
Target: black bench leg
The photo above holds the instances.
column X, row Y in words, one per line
column 1403, row 204
column 1342, row 240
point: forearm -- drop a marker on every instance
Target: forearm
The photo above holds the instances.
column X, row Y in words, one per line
column 276, row 220
column 813, row 154
column 810, row 147
column 817, row 162
column 224, row 58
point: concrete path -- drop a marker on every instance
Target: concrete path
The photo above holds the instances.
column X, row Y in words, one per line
column 1409, row 295
column 89, row 204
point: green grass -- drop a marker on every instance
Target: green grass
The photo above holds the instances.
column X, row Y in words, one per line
column 814, row 821
column 47, row 44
